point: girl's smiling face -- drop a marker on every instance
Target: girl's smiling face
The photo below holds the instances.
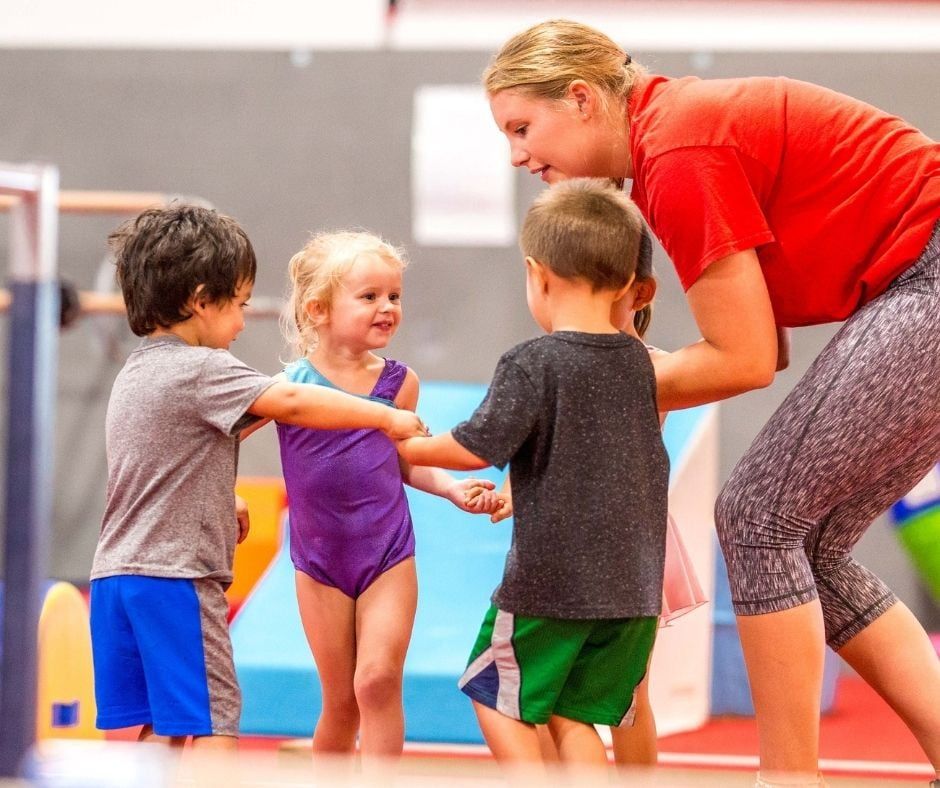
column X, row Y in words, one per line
column 557, row 140
column 366, row 308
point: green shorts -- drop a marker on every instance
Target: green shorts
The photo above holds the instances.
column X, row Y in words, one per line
column 586, row 670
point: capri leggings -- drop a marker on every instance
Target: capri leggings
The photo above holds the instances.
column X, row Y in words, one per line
column 858, row 432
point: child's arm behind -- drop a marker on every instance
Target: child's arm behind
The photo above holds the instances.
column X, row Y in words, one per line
column 326, row 409
column 472, row 495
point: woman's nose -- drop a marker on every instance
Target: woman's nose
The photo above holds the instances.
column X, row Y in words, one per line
column 518, row 155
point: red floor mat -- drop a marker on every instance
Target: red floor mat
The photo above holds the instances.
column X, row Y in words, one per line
column 860, row 727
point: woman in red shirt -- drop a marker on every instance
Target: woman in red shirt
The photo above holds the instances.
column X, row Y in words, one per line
column 780, row 203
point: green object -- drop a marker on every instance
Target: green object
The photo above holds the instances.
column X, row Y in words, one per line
column 920, row 536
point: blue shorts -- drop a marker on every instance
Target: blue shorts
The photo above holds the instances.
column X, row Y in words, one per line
column 163, row 656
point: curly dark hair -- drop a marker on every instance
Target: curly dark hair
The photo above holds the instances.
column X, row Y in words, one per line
column 165, row 255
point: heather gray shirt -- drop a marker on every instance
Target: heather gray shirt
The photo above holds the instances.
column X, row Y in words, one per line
column 172, row 442
column 575, row 416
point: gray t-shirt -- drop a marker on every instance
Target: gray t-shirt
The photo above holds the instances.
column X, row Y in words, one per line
column 172, row 442
column 575, row 416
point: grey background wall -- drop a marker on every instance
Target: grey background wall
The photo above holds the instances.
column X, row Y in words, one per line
column 288, row 150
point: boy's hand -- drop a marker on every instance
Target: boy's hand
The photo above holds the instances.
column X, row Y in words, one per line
column 404, row 424
column 496, row 504
column 478, row 491
column 242, row 517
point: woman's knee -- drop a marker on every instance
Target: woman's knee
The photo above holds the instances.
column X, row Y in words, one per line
column 748, row 518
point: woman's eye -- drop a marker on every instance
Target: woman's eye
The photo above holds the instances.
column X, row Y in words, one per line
column 521, row 130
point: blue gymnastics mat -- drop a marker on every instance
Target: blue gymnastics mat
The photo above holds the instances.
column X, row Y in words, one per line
column 460, row 561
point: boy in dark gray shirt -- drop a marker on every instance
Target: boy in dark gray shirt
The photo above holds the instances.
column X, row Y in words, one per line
column 162, row 655
column 570, row 631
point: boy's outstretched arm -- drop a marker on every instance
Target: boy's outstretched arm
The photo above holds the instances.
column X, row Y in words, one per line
column 442, row 451
column 326, row 409
column 435, row 480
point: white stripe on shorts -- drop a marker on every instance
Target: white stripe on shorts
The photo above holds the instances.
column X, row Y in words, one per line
column 510, row 678
column 502, row 655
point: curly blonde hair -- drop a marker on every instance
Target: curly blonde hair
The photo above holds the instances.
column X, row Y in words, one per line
column 317, row 270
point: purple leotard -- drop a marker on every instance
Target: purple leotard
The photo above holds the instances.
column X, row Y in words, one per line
column 349, row 518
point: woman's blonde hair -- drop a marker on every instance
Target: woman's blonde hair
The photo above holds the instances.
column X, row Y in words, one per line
column 544, row 60
column 317, row 270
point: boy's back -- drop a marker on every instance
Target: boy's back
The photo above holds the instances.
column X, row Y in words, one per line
column 172, row 425
column 576, row 414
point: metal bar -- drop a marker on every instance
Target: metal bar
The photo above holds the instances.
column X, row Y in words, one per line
column 106, row 202
column 92, row 302
column 29, row 479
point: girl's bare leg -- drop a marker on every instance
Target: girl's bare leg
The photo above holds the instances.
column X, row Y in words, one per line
column 328, row 618
column 385, row 616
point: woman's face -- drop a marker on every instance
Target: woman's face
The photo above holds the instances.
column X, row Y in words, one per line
column 555, row 140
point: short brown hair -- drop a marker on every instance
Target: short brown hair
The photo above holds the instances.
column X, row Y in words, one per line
column 165, row 254
column 585, row 229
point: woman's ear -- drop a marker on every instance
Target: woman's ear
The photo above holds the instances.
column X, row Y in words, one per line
column 644, row 293
column 584, row 96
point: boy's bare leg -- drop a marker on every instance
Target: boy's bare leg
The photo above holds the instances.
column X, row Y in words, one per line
column 511, row 741
column 146, row 734
column 577, row 742
column 216, row 743
column 636, row 745
column 547, row 744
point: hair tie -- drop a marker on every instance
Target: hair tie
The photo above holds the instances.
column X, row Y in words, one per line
column 627, row 60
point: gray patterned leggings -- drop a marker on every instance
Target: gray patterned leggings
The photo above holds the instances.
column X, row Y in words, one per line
column 857, row 432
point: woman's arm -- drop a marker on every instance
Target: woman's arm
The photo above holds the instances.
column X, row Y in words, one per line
column 738, row 349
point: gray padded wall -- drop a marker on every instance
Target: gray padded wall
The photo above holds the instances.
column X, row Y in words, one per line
column 288, row 150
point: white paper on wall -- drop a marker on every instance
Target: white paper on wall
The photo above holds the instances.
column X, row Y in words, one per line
column 462, row 183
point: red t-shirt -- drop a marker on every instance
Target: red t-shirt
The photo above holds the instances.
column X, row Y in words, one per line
column 837, row 196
